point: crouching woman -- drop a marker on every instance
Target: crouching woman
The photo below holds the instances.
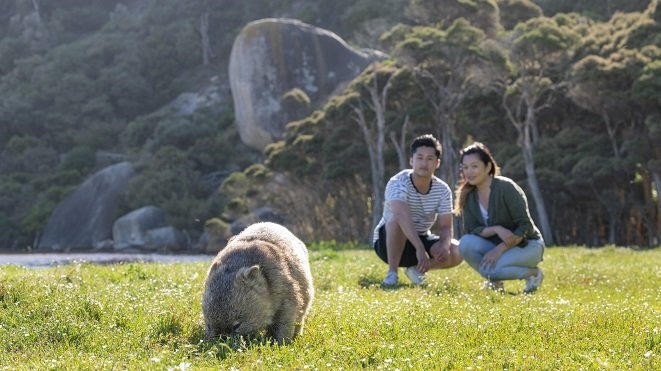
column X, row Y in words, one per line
column 501, row 240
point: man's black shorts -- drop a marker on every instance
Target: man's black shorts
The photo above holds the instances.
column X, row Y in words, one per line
column 408, row 256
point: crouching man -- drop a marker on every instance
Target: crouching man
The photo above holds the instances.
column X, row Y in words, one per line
column 416, row 201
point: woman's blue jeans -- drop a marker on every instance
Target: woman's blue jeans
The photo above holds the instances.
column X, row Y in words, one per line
column 512, row 265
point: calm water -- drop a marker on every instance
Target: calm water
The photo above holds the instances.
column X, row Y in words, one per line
column 52, row 259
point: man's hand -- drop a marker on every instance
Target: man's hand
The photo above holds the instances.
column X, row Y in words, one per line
column 439, row 252
column 423, row 260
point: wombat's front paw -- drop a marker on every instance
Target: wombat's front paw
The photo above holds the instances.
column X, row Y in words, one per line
column 282, row 334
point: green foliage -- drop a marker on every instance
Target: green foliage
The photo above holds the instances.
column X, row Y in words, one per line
column 542, row 36
column 647, row 87
column 216, row 226
column 138, row 132
column 434, row 46
column 178, row 132
column 596, row 309
column 298, row 153
column 80, row 158
column 597, row 9
column 11, row 49
column 513, row 12
column 76, row 20
column 653, row 123
column 171, row 182
column 29, row 155
column 441, row 14
column 296, row 95
column 235, row 184
column 168, row 49
column 259, row 172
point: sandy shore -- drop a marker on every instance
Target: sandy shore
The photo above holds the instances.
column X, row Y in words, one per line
column 51, row 259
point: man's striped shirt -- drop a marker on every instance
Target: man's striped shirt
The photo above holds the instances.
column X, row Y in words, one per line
column 423, row 207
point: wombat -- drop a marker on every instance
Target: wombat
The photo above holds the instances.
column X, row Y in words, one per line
column 260, row 281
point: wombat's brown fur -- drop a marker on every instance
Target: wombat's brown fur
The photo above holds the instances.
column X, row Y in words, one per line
column 260, row 280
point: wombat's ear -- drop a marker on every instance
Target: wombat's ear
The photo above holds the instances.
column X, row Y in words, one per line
column 250, row 276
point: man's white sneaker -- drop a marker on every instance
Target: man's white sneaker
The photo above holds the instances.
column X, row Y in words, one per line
column 493, row 285
column 391, row 279
column 533, row 282
column 416, row 277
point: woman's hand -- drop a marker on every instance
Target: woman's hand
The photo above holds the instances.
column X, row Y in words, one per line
column 507, row 236
column 491, row 258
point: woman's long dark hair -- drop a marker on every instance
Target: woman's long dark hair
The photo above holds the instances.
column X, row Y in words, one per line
column 463, row 187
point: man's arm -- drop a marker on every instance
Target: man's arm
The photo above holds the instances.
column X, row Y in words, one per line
column 401, row 212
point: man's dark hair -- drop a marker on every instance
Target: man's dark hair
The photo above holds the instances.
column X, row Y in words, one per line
column 426, row 140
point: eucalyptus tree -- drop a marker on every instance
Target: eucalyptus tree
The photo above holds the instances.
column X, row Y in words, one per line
column 647, row 89
column 538, row 51
column 483, row 14
column 370, row 109
column 513, row 12
column 616, row 79
column 596, row 9
column 345, row 145
column 612, row 58
column 603, row 86
column 444, row 63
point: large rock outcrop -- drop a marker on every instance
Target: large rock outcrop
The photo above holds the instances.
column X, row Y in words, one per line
column 281, row 69
column 128, row 232
column 145, row 229
column 85, row 218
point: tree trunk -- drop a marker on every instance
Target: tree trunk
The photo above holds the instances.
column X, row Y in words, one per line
column 612, row 227
column 375, row 139
column 611, row 131
column 445, row 134
column 35, row 6
column 525, row 130
column 526, row 144
column 657, row 183
column 377, row 165
column 207, row 53
column 542, row 215
column 400, row 144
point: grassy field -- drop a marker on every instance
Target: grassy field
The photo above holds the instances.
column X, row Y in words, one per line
column 597, row 309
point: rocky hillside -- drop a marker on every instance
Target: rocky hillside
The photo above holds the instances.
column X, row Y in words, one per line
column 88, row 85
column 137, row 111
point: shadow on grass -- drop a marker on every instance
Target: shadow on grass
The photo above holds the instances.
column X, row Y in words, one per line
column 373, row 281
column 223, row 346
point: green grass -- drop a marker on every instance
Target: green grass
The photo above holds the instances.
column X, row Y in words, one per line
column 597, row 309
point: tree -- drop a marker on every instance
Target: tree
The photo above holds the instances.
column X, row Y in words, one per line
column 538, row 49
column 369, row 112
column 604, row 177
column 441, row 14
column 603, row 86
column 598, row 9
column 513, row 12
column 603, row 78
column 443, row 64
column 618, row 82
